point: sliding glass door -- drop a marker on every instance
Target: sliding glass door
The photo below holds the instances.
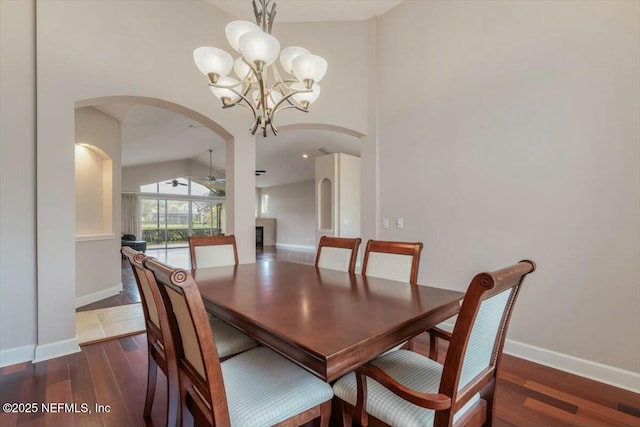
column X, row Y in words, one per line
column 166, row 223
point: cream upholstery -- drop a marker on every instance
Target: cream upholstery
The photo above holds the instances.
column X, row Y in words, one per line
column 190, row 343
column 389, row 266
column 148, row 297
column 483, row 336
column 334, row 258
column 214, row 256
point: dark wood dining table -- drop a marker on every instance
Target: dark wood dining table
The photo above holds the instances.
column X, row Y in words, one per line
column 326, row 321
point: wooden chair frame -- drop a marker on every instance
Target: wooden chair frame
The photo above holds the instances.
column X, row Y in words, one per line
column 160, row 347
column 400, row 248
column 449, row 399
column 205, row 398
column 340, row 242
column 195, row 241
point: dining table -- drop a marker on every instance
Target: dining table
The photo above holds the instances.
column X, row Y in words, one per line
column 327, row 321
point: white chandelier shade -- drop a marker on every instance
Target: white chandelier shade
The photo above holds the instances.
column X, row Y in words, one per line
column 261, row 87
column 257, row 46
column 236, row 29
column 211, row 60
column 309, row 67
column 288, row 54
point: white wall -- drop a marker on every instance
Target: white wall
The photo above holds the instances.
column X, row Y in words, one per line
column 17, row 182
column 340, row 173
column 519, row 138
column 348, row 183
column 98, row 266
column 292, row 206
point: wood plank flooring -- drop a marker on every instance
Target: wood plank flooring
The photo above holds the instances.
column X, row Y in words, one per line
column 113, row 374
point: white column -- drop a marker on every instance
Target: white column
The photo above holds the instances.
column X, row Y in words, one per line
column 241, row 195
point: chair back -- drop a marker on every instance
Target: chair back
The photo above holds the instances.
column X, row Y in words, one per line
column 198, row 361
column 213, row 251
column 392, row 260
column 338, row 253
column 478, row 337
column 145, row 290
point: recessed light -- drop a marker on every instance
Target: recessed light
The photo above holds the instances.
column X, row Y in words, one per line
column 305, row 156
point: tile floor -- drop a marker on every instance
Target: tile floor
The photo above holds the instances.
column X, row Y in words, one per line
column 107, row 323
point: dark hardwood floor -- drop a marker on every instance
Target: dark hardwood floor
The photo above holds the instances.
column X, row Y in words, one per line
column 113, row 374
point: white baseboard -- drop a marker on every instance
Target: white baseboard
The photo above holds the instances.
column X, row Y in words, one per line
column 611, row 375
column 97, row 296
column 290, row 246
column 15, row 355
column 56, row 349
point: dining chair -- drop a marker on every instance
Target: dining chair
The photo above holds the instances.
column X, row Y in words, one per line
column 220, row 251
column 213, row 251
column 338, row 253
column 408, row 389
column 394, row 261
column 255, row 388
column 160, row 346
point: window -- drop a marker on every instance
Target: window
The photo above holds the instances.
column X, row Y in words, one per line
column 175, row 209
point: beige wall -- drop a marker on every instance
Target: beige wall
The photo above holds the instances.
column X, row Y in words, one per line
column 98, row 266
column 18, row 332
column 292, row 206
column 520, row 139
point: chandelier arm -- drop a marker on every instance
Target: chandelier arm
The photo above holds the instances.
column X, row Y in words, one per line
column 276, row 108
column 256, row 13
column 287, row 107
column 274, row 129
column 262, row 94
column 238, row 101
column 272, row 17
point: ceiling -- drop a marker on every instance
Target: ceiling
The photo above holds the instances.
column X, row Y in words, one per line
column 312, row 10
column 152, row 134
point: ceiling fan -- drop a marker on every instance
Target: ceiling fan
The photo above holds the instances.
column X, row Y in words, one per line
column 174, row 183
column 212, row 178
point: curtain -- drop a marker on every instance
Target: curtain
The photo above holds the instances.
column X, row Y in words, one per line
column 131, row 214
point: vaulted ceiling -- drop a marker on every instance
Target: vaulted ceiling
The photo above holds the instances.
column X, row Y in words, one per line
column 152, row 134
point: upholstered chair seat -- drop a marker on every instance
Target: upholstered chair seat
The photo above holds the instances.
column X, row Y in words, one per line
column 229, row 340
column 264, row 389
column 410, row 369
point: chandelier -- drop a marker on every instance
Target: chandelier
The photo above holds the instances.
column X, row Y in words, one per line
column 259, row 85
